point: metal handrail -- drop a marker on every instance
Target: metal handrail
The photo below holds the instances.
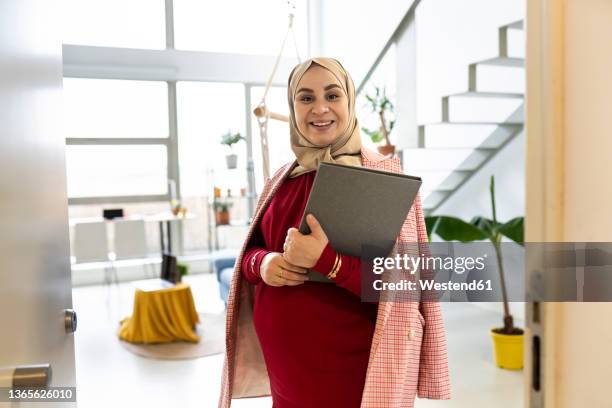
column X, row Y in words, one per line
column 392, row 39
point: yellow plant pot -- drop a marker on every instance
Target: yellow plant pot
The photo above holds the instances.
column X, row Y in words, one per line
column 508, row 350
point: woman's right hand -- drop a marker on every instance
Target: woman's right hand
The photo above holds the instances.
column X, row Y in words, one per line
column 276, row 271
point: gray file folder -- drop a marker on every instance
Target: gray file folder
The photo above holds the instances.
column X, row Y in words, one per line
column 359, row 208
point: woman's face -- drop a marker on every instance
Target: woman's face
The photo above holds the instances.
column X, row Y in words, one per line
column 320, row 106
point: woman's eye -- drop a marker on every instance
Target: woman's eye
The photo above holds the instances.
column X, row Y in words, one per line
column 305, row 98
column 332, row 97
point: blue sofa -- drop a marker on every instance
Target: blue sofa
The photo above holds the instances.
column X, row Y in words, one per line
column 224, row 269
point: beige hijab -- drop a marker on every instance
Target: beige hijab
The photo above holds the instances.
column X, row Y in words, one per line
column 346, row 148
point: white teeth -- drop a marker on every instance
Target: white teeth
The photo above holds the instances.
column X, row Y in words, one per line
column 322, row 123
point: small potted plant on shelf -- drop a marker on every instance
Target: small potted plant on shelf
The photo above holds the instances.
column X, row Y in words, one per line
column 507, row 340
column 222, row 215
column 381, row 105
column 229, row 139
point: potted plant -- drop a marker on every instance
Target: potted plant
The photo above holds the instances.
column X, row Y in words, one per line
column 182, row 270
column 507, row 340
column 222, row 215
column 230, row 139
column 380, row 105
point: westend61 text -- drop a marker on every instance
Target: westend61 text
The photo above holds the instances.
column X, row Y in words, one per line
column 404, row 284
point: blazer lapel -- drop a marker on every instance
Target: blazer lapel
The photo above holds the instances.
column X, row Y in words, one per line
column 376, row 161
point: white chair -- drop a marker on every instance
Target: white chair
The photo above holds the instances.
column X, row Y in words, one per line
column 90, row 246
column 131, row 244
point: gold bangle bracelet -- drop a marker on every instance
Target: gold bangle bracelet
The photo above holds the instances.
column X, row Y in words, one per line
column 336, row 267
column 330, row 274
column 335, row 264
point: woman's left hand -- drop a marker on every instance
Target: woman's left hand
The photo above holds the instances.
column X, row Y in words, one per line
column 305, row 250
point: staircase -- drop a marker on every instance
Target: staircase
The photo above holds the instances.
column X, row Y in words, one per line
column 475, row 125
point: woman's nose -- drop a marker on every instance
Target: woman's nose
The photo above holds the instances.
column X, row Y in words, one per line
column 320, row 107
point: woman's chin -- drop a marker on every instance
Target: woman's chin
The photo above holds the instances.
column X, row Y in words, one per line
column 322, row 138
column 322, row 141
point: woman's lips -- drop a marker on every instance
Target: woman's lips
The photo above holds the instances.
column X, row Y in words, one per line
column 322, row 125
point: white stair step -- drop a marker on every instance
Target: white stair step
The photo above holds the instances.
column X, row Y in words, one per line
column 417, row 160
column 446, row 180
column 503, row 61
column 451, row 135
column 517, row 25
column 512, row 42
column 512, row 121
column 490, row 78
column 433, row 199
column 516, row 44
column 485, row 109
column 476, row 94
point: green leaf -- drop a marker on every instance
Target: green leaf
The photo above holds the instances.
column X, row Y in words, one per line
column 368, row 131
column 514, row 229
column 374, row 134
column 230, row 138
column 430, row 223
column 454, row 229
column 486, row 225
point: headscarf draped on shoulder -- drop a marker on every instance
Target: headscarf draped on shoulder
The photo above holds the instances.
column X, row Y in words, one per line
column 346, row 148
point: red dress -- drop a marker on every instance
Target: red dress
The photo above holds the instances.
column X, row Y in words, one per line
column 315, row 337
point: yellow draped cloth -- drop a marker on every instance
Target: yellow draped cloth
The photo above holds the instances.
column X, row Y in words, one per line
column 161, row 316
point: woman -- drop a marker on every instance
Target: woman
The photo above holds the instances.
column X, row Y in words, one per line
column 316, row 344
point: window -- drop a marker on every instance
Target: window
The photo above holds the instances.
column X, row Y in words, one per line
column 205, row 112
column 224, row 26
column 115, row 23
column 103, row 108
column 116, row 170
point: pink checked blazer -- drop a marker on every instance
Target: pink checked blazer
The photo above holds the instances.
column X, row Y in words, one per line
column 408, row 354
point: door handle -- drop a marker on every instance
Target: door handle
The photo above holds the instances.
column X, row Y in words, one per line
column 26, row 376
column 70, row 320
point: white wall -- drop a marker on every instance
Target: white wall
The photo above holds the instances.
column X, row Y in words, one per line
column 473, row 198
column 450, row 35
column 354, row 32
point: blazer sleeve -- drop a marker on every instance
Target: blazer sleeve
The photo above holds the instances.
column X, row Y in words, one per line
column 434, row 381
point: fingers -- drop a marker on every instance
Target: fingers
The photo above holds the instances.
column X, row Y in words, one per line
column 290, row 267
column 293, row 276
column 316, row 230
column 283, row 273
column 313, row 223
column 284, row 277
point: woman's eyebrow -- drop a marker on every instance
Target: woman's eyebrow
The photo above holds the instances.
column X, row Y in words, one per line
column 327, row 88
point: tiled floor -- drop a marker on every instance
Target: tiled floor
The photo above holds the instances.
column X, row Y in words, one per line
column 109, row 375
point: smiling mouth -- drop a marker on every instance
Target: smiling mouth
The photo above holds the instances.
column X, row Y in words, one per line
column 322, row 124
